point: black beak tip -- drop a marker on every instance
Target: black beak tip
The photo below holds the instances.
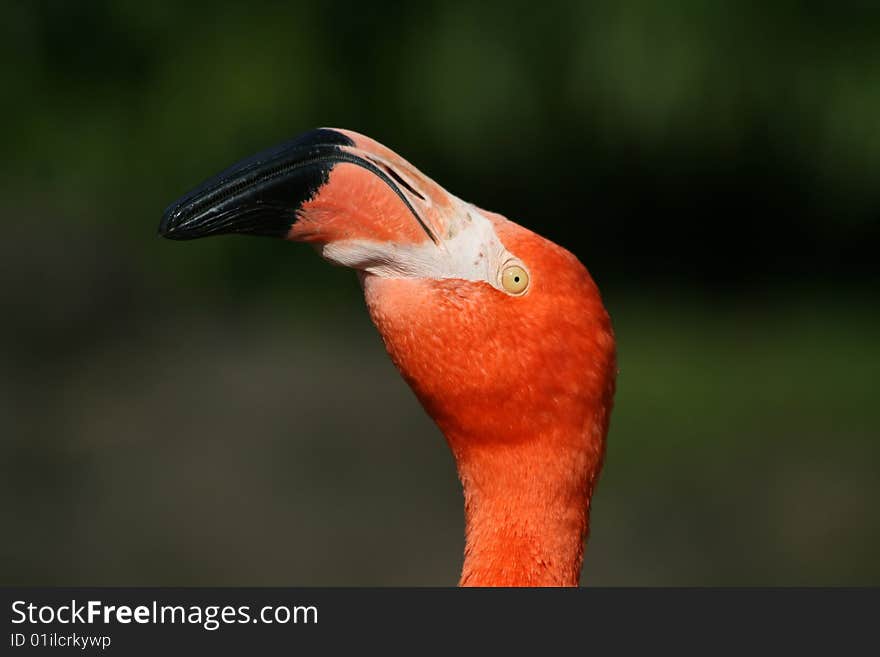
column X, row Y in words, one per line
column 170, row 221
column 259, row 195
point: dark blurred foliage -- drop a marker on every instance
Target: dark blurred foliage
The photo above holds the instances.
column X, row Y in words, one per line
column 221, row 411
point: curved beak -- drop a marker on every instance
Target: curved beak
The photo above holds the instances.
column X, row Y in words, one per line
column 363, row 205
column 323, row 186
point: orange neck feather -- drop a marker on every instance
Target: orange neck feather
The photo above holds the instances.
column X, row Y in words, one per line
column 526, row 513
column 522, row 389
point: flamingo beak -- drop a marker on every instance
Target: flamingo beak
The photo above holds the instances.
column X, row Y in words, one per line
column 362, row 206
column 315, row 188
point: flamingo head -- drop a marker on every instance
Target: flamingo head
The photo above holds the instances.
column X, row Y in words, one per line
column 501, row 333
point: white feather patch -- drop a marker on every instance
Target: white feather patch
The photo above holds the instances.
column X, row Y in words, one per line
column 470, row 251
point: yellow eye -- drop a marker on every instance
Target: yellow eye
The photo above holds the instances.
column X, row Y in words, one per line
column 515, row 279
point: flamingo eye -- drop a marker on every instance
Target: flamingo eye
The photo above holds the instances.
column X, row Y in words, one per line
column 515, row 279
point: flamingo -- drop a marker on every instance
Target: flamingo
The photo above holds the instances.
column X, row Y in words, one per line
column 501, row 334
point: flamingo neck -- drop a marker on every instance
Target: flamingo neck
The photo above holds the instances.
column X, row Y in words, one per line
column 526, row 513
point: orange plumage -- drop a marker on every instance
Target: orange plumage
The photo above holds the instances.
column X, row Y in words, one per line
column 520, row 381
column 522, row 389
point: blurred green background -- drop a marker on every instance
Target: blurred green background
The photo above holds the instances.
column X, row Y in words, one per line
column 223, row 412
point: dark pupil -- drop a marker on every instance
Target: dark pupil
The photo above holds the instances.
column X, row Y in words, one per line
column 516, row 279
